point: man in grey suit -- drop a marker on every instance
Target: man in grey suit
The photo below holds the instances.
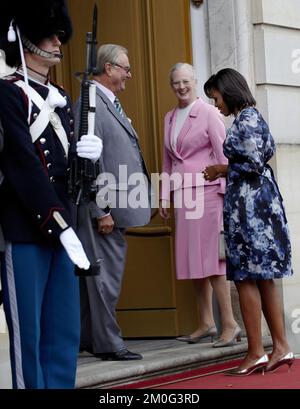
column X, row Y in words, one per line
column 123, row 200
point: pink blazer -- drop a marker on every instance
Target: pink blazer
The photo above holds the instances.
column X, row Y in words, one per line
column 199, row 144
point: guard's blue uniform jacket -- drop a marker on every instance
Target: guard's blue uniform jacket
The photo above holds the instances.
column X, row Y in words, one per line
column 28, row 200
column 40, row 290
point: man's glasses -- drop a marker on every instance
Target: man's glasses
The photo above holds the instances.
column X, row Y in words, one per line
column 125, row 68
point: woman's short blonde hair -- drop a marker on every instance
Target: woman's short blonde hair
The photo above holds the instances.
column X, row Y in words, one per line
column 180, row 65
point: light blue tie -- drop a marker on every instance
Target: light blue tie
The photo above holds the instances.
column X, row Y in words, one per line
column 118, row 106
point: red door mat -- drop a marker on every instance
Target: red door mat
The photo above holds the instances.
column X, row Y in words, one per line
column 213, row 377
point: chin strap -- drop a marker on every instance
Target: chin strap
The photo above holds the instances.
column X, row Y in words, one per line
column 38, row 51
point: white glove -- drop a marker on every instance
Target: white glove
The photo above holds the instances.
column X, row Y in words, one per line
column 74, row 248
column 89, row 147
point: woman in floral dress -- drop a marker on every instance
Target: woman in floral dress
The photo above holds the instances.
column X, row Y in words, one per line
column 256, row 230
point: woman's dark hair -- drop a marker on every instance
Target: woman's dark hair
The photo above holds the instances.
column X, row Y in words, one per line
column 233, row 87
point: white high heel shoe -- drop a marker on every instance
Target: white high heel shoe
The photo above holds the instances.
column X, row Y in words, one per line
column 259, row 365
column 211, row 332
column 236, row 337
column 287, row 359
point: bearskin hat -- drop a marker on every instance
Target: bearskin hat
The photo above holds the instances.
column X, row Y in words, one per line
column 36, row 19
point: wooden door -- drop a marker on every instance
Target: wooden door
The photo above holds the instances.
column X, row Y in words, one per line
column 157, row 35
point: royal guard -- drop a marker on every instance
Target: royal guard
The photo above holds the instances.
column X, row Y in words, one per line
column 40, row 290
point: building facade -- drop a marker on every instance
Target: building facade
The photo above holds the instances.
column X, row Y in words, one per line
column 261, row 39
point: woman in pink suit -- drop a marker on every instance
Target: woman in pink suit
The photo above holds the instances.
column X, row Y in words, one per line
column 194, row 135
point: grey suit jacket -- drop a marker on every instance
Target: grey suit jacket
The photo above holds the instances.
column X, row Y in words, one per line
column 119, row 186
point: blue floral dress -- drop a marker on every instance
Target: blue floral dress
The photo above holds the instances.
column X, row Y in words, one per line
column 255, row 225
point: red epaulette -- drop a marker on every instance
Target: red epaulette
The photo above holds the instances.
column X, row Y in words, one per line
column 12, row 78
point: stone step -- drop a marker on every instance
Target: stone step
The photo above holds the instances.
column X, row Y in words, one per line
column 160, row 357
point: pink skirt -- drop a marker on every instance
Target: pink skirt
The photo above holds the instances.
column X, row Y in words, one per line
column 198, row 231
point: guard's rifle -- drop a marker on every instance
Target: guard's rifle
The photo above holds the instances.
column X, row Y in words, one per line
column 84, row 172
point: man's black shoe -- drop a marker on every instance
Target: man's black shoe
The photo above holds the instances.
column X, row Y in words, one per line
column 122, row 355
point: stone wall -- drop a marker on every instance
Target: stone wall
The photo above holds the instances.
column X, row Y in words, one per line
column 261, row 39
column 277, row 73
